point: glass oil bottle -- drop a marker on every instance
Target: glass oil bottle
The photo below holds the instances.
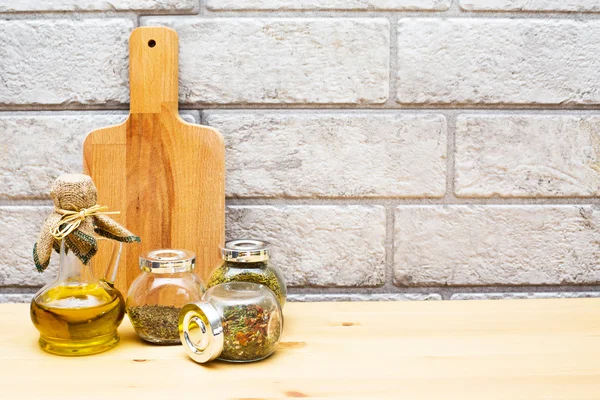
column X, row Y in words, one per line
column 78, row 314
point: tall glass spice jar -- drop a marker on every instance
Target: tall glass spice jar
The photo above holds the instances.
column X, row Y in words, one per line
column 248, row 260
column 237, row 322
column 157, row 295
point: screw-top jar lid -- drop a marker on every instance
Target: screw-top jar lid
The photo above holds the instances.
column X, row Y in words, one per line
column 167, row 261
column 246, row 250
column 201, row 331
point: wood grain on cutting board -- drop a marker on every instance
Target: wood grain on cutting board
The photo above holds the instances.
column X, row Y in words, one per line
column 165, row 176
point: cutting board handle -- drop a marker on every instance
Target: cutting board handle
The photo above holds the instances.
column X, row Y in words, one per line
column 153, row 70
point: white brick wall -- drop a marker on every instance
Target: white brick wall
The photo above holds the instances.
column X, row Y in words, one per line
column 496, row 245
column 64, row 61
column 530, row 5
column 490, row 61
column 16, row 297
column 318, row 245
column 279, row 5
column 282, row 60
column 38, row 148
column 531, row 295
column 528, row 155
column 390, row 149
column 19, row 227
column 99, row 5
column 307, row 154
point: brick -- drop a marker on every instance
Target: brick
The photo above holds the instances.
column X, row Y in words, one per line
column 287, row 5
column 281, row 60
column 16, row 297
column 19, row 229
column 531, row 5
column 363, row 297
column 333, row 154
column 97, row 5
column 527, row 155
column 63, row 61
column 29, row 160
column 498, row 61
column 318, row 245
column 496, row 245
column 530, row 295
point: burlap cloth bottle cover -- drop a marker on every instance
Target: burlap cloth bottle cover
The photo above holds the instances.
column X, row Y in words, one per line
column 76, row 219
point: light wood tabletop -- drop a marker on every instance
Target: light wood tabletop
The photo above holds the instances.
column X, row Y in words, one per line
column 512, row 349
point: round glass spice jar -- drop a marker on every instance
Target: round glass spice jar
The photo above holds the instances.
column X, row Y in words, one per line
column 248, row 260
column 236, row 321
column 158, row 294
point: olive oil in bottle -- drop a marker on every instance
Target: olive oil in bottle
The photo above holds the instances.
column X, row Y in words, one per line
column 78, row 319
column 78, row 314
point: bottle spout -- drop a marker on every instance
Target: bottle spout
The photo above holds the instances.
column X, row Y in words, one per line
column 113, row 266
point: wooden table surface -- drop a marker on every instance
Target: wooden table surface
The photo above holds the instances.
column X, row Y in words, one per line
column 513, row 349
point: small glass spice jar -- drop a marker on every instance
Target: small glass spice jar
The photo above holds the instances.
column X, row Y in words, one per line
column 248, row 260
column 236, row 321
column 158, row 294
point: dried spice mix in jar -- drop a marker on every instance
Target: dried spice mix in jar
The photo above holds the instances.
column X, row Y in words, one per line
column 248, row 260
column 237, row 322
column 157, row 295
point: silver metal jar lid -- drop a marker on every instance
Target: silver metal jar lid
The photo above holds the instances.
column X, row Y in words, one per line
column 246, row 250
column 201, row 331
column 167, row 261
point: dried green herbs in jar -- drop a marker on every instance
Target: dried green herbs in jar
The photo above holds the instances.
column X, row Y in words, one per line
column 156, row 323
column 156, row 296
column 248, row 260
column 236, row 321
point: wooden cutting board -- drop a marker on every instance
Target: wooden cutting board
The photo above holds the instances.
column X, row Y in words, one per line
column 165, row 176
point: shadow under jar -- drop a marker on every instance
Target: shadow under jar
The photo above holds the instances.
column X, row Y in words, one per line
column 249, row 260
column 236, row 322
column 158, row 294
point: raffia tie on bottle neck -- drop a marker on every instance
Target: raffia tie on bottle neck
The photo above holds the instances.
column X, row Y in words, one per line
column 71, row 220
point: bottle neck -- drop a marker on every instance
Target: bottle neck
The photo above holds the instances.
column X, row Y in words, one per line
column 72, row 271
column 257, row 264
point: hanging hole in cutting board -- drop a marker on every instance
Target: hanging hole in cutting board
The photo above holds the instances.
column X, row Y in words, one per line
column 151, row 43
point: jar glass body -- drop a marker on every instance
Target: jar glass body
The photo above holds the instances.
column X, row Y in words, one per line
column 261, row 272
column 235, row 322
column 77, row 314
column 154, row 301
